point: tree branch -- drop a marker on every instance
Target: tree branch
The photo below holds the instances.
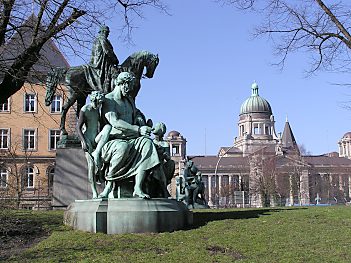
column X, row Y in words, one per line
column 5, row 18
column 336, row 22
column 40, row 16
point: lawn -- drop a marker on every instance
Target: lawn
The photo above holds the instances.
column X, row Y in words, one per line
column 311, row 234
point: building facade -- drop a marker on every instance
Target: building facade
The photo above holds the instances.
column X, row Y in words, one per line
column 28, row 139
column 263, row 169
column 29, row 131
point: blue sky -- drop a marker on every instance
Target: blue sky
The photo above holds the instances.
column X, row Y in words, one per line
column 208, row 61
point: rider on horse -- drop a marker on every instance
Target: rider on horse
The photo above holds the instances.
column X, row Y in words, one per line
column 103, row 59
column 97, row 75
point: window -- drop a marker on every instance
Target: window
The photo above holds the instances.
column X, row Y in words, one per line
column 205, row 180
column 3, row 178
column 29, row 177
column 56, row 104
column 235, row 182
column 256, row 128
column 51, row 179
column 30, row 103
column 242, row 130
column 29, row 139
column 225, row 181
column 175, row 150
column 5, row 107
column 4, row 138
column 54, row 137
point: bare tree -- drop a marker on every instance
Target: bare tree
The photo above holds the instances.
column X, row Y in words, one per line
column 70, row 22
column 13, row 179
column 303, row 150
column 227, row 189
column 312, row 26
column 263, row 177
column 20, row 180
column 298, row 179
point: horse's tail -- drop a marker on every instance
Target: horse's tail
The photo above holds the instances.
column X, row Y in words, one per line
column 52, row 80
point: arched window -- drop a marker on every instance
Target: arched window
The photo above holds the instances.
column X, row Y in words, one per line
column 28, row 177
column 3, row 177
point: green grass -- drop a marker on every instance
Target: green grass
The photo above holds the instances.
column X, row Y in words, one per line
column 313, row 234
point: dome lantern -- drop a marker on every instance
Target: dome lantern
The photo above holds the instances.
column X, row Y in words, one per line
column 254, row 88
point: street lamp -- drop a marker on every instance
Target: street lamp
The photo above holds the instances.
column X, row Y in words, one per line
column 215, row 176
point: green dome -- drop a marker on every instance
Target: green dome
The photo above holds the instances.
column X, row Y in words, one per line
column 255, row 103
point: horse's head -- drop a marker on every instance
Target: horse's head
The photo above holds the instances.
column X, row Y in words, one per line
column 151, row 65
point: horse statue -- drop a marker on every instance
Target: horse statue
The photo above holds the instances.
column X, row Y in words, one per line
column 75, row 80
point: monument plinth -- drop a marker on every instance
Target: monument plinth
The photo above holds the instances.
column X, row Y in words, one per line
column 128, row 215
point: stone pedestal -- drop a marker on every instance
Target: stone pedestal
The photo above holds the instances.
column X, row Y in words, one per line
column 117, row 216
column 71, row 178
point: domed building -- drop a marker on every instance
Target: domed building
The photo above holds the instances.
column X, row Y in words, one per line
column 262, row 169
column 256, row 124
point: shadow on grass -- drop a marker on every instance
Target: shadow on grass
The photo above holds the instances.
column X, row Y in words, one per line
column 201, row 218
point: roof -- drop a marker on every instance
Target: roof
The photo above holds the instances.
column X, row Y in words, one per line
column 332, row 154
column 255, row 103
column 229, row 151
column 288, row 139
column 50, row 55
column 347, row 135
column 173, row 134
column 326, row 160
column 211, row 161
column 232, row 163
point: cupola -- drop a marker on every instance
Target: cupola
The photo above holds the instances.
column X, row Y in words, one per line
column 255, row 103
